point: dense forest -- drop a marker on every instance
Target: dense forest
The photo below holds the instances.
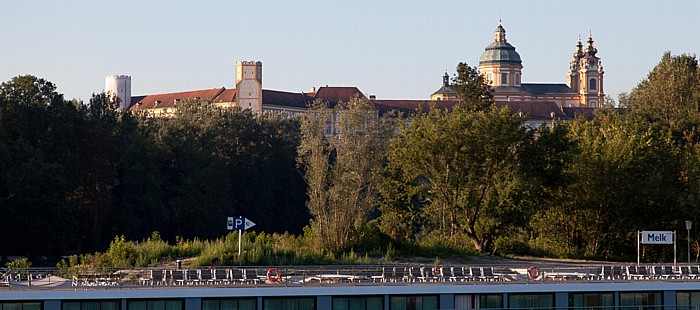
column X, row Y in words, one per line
column 74, row 175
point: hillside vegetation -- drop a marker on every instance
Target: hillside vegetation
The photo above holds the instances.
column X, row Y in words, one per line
column 79, row 178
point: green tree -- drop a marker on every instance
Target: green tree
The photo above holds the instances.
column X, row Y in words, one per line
column 625, row 177
column 342, row 162
column 30, row 90
column 466, row 164
column 670, row 93
column 138, row 195
column 98, row 152
column 471, row 88
column 36, row 157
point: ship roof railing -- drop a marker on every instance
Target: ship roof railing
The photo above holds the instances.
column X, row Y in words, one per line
column 400, row 274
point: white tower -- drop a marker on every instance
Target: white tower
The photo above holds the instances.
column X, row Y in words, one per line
column 120, row 86
column 249, row 85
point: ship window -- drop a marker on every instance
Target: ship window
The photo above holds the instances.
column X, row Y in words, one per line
column 592, row 84
column 20, row 305
column 687, row 299
column 504, row 78
column 154, row 304
column 230, row 304
column 91, row 305
column 531, row 301
column 358, row 303
column 284, row 303
column 483, row 301
column 646, row 299
column 591, row 300
column 414, row 302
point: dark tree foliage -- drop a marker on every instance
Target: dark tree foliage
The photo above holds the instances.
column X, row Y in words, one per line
column 74, row 175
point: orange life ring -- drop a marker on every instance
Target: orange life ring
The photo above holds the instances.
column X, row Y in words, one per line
column 533, row 272
column 437, row 270
column 273, row 276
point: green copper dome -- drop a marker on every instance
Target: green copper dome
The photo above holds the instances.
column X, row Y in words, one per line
column 500, row 51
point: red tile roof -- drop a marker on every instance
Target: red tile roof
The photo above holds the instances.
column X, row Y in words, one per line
column 410, row 106
column 333, row 95
column 168, row 100
column 573, row 112
column 535, row 110
column 228, row 95
column 286, row 99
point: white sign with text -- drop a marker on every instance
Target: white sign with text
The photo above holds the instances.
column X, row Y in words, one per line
column 657, row 237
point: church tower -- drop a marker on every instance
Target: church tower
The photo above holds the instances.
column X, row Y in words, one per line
column 586, row 75
column 500, row 64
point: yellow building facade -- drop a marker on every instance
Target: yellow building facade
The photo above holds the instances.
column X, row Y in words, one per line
column 502, row 68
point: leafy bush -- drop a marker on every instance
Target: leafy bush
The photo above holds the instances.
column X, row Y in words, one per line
column 21, row 263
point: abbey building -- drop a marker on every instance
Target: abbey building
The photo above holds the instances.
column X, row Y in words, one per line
column 502, row 68
column 499, row 64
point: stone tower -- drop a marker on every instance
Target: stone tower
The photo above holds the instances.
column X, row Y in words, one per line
column 586, row 75
column 500, row 64
column 120, row 86
column 249, row 85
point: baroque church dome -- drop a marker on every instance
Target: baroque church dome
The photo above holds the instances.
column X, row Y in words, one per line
column 500, row 51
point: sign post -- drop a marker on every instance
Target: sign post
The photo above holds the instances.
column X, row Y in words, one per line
column 656, row 237
column 688, row 226
column 240, row 224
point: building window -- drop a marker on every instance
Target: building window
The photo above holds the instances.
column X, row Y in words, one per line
column 489, row 78
column 358, row 303
column 646, row 300
column 517, row 79
column 531, row 301
column 504, row 78
column 12, row 305
column 294, row 303
column 413, row 302
column 592, row 84
column 154, row 304
column 591, row 300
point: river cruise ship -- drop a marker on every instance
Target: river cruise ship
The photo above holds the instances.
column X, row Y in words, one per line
column 543, row 286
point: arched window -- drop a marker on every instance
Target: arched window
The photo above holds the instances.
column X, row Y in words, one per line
column 592, row 84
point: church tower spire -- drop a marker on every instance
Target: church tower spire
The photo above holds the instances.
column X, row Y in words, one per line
column 586, row 74
column 574, row 66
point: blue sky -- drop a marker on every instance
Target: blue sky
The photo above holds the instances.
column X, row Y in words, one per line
column 391, row 49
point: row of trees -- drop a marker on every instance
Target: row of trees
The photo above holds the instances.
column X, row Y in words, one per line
column 74, row 175
column 472, row 178
column 475, row 175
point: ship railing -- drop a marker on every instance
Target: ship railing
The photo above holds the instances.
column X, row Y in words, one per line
column 399, row 274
